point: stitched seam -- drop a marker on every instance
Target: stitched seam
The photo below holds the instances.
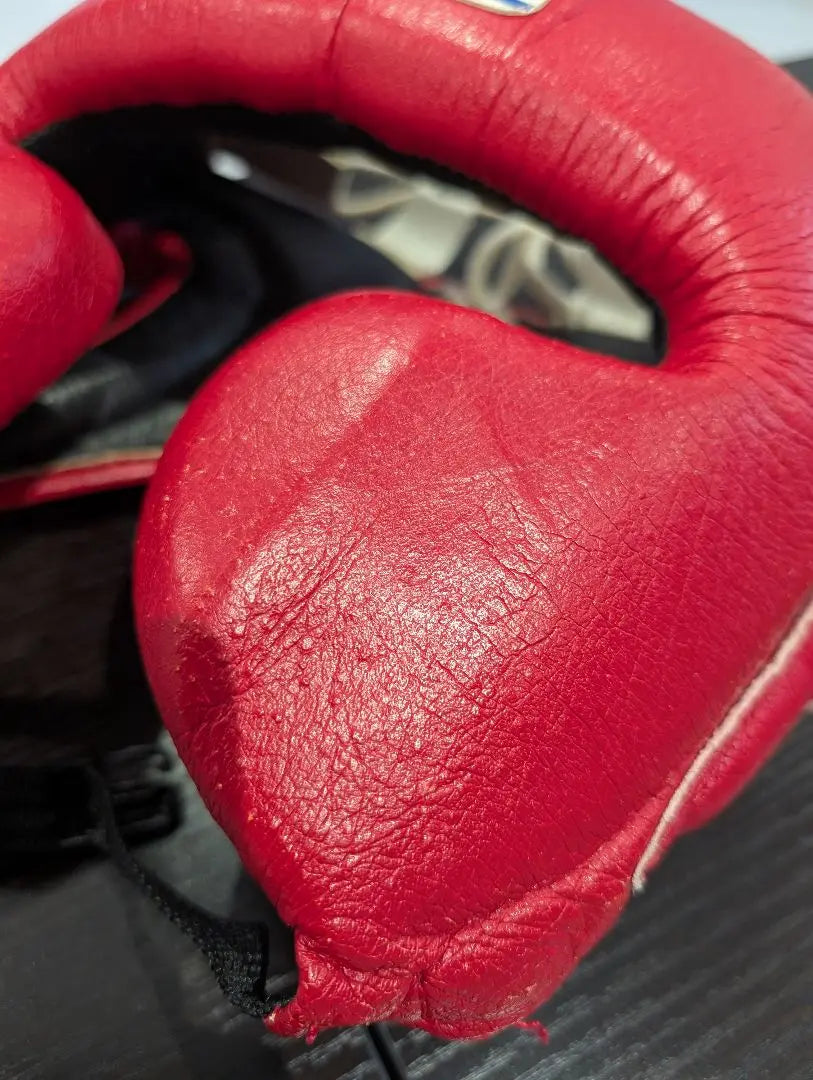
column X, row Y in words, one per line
column 330, row 56
column 730, row 726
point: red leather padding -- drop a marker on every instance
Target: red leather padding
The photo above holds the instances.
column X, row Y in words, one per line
column 456, row 627
column 73, row 477
column 60, row 278
column 157, row 263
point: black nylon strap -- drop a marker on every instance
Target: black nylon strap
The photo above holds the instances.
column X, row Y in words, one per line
column 76, row 806
column 237, row 951
column 47, row 809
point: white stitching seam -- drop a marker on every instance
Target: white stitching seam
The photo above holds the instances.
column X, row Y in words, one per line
column 772, row 671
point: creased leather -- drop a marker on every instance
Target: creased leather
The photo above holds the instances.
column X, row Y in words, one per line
column 440, row 613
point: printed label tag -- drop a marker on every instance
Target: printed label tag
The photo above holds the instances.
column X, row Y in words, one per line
column 510, row 7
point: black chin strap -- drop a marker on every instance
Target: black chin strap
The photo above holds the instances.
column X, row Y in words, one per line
column 78, row 806
column 237, row 951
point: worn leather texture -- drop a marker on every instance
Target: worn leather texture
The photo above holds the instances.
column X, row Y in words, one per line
column 456, row 628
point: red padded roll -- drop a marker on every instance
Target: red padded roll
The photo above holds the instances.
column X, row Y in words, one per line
column 456, row 628
column 60, row 278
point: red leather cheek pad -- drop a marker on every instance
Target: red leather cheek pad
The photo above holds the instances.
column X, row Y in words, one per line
column 409, row 630
column 61, row 278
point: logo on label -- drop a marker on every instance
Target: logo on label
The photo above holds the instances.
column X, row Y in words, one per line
column 510, row 7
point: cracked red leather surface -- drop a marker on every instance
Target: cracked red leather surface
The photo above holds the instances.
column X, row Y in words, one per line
column 441, row 614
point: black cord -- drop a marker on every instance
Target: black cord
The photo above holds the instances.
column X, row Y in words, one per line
column 237, row 951
column 385, row 1052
